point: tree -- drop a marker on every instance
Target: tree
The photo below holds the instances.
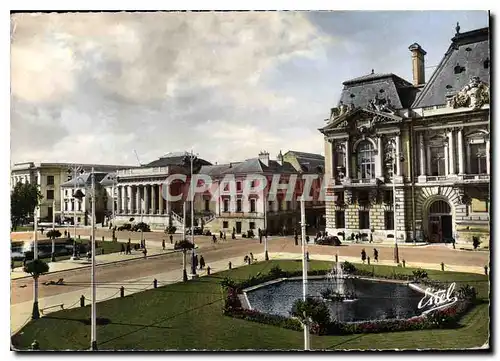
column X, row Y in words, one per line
column 312, row 309
column 36, row 268
column 53, row 234
column 185, row 246
column 23, row 200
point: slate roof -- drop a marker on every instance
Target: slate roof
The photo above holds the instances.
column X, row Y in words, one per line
column 253, row 165
column 175, row 159
column 360, row 91
column 108, row 179
column 468, row 50
column 307, row 155
column 84, row 180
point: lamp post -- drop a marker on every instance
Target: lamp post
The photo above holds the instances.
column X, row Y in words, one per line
column 73, row 173
column 304, row 268
column 192, row 157
column 35, row 257
column 395, row 159
column 266, row 254
column 93, row 344
column 53, row 256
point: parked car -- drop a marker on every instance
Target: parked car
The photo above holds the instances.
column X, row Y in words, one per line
column 329, row 241
column 125, row 227
column 197, row 231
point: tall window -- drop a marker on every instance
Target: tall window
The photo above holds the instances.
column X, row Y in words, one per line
column 251, row 225
column 366, row 160
column 50, row 194
column 225, row 224
column 364, row 219
column 226, row 205
column 80, row 204
column 389, row 220
column 207, row 205
column 50, row 180
column 252, row 205
column 339, row 219
column 437, row 161
column 478, row 158
column 66, row 205
column 238, row 186
column 340, row 160
column 238, row 205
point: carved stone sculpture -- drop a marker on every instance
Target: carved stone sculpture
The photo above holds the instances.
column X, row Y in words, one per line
column 474, row 95
column 381, row 105
column 349, row 199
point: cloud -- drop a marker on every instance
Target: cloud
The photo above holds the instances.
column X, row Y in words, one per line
column 95, row 86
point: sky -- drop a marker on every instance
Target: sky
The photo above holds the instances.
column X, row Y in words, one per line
column 95, row 87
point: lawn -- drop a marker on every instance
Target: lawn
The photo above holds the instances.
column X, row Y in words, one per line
column 189, row 316
column 106, row 246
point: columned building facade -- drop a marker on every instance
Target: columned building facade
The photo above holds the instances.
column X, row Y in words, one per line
column 412, row 160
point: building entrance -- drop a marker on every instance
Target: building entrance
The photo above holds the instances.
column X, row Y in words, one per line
column 440, row 222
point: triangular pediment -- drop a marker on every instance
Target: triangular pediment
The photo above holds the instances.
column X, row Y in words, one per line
column 360, row 117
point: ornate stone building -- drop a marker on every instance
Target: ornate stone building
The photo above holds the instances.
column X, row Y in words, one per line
column 427, row 141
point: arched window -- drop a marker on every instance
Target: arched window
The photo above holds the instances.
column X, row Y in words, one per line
column 366, row 160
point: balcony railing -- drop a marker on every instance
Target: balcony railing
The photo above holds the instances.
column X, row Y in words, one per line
column 142, row 171
column 242, row 214
column 467, row 178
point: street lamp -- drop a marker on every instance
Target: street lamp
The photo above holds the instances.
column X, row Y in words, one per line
column 93, row 340
column 304, row 268
column 192, row 158
column 53, row 256
column 114, row 180
column 266, row 254
column 74, row 173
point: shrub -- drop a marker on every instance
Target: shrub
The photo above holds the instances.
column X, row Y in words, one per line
column 475, row 242
column 314, row 309
column 419, row 274
column 141, row 226
column 183, row 245
column 348, row 267
column 467, row 292
column 170, row 229
column 53, row 233
column 276, row 272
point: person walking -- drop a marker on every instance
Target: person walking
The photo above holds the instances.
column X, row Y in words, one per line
column 171, row 239
column 145, row 253
column 196, row 261
column 202, row 262
column 375, row 254
column 224, row 235
column 214, row 238
column 363, row 255
column 122, row 250
column 129, row 251
column 163, row 244
column 296, row 239
column 220, row 235
column 251, row 257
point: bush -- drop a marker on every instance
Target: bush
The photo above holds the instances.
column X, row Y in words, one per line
column 276, row 272
column 275, row 320
column 348, row 267
column 141, row 226
column 183, row 245
column 170, row 229
column 475, row 242
column 53, row 233
column 314, row 309
column 419, row 274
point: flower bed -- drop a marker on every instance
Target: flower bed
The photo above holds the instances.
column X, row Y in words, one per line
column 441, row 318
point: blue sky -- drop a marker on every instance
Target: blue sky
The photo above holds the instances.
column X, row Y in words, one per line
column 94, row 87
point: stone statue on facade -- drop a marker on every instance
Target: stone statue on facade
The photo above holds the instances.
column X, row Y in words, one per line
column 340, row 110
column 381, row 105
column 474, row 95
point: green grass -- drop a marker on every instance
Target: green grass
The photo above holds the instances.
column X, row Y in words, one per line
column 189, row 316
column 107, row 246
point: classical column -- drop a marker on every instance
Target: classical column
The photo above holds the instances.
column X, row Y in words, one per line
column 422, row 154
column 380, row 157
column 146, row 199
column 138, row 199
column 167, row 200
column 467, row 157
column 428, row 159
column 446, row 158
column 451, row 150
column 118, row 199
column 160, row 198
column 129, row 199
column 347, row 159
column 398, row 163
column 460, row 146
column 124, row 197
column 153, row 198
column 488, row 156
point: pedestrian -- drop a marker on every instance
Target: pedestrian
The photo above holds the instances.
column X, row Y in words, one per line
column 65, row 233
column 453, row 240
column 220, row 235
column 234, row 230
column 363, row 255
column 296, row 239
column 233, row 236
column 202, row 262
column 163, row 244
column 171, row 239
column 214, row 238
column 122, row 250
column 145, row 252
column 24, row 261
column 41, row 230
column 128, row 249
column 307, row 239
column 375, row 254
column 251, row 256
column 196, row 261
column 260, row 237
column 357, row 238
column 224, row 235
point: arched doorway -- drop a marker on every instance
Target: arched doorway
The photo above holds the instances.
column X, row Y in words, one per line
column 440, row 221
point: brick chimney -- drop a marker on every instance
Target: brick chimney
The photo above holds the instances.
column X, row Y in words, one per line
column 418, row 63
column 279, row 158
column 264, row 158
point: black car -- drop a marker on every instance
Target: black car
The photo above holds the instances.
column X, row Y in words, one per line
column 197, row 231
